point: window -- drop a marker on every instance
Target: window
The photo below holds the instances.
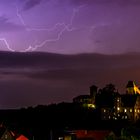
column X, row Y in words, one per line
column 125, row 117
column 135, row 110
column 6, row 136
column 125, row 110
column 131, row 110
column 104, row 110
column 118, row 108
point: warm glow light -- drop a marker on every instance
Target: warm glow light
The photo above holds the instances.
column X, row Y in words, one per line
column 118, row 108
column 91, row 105
column 136, row 89
column 130, row 110
column 125, row 110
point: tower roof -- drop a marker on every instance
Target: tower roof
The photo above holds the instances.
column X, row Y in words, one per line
column 130, row 84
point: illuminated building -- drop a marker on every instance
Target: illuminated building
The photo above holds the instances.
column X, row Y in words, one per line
column 126, row 106
column 87, row 100
column 111, row 104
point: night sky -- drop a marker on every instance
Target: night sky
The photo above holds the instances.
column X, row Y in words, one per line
column 53, row 50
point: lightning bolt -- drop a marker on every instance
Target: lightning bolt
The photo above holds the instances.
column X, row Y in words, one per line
column 66, row 27
column 7, row 44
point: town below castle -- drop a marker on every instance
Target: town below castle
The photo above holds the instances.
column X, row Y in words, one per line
column 104, row 114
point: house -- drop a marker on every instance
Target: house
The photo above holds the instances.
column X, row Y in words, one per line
column 21, row 137
column 6, row 134
column 93, row 134
column 87, row 135
column 67, row 135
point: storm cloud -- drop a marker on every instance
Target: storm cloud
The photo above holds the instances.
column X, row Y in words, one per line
column 30, row 4
column 7, row 26
column 28, row 79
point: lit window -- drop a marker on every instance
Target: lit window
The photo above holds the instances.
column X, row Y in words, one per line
column 118, row 108
column 104, row 110
column 109, row 117
column 125, row 117
column 130, row 110
column 125, row 110
column 135, row 110
column 118, row 100
column 118, row 115
column 138, row 110
column 60, row 138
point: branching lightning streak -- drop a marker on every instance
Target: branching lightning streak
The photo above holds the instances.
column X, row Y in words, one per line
column 66, row 27
column 7, row 44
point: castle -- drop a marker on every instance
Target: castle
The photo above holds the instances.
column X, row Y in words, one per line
column 111, row 104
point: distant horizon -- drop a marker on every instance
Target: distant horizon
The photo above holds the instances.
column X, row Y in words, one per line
column 53, row 50
column 36, row 78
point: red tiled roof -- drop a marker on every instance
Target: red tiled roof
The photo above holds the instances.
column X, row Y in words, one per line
column 89, row 134
column 21, row 137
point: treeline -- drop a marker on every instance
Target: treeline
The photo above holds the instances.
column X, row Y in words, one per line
column 40, row 121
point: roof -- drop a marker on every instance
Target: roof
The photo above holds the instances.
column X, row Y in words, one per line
column 21, row 137
column 83, row 97
column 130, row 84
column 93, row 134
column 16, row 136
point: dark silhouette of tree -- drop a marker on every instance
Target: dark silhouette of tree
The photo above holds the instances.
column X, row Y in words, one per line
column 106, row 95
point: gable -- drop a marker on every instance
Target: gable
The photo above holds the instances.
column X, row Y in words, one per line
column 7, row 136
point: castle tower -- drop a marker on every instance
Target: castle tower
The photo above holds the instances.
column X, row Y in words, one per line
column 93, row 90
column 131, row 88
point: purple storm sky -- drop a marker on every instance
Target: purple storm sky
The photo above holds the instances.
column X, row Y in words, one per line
column 70, row 26
column 74, row 44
